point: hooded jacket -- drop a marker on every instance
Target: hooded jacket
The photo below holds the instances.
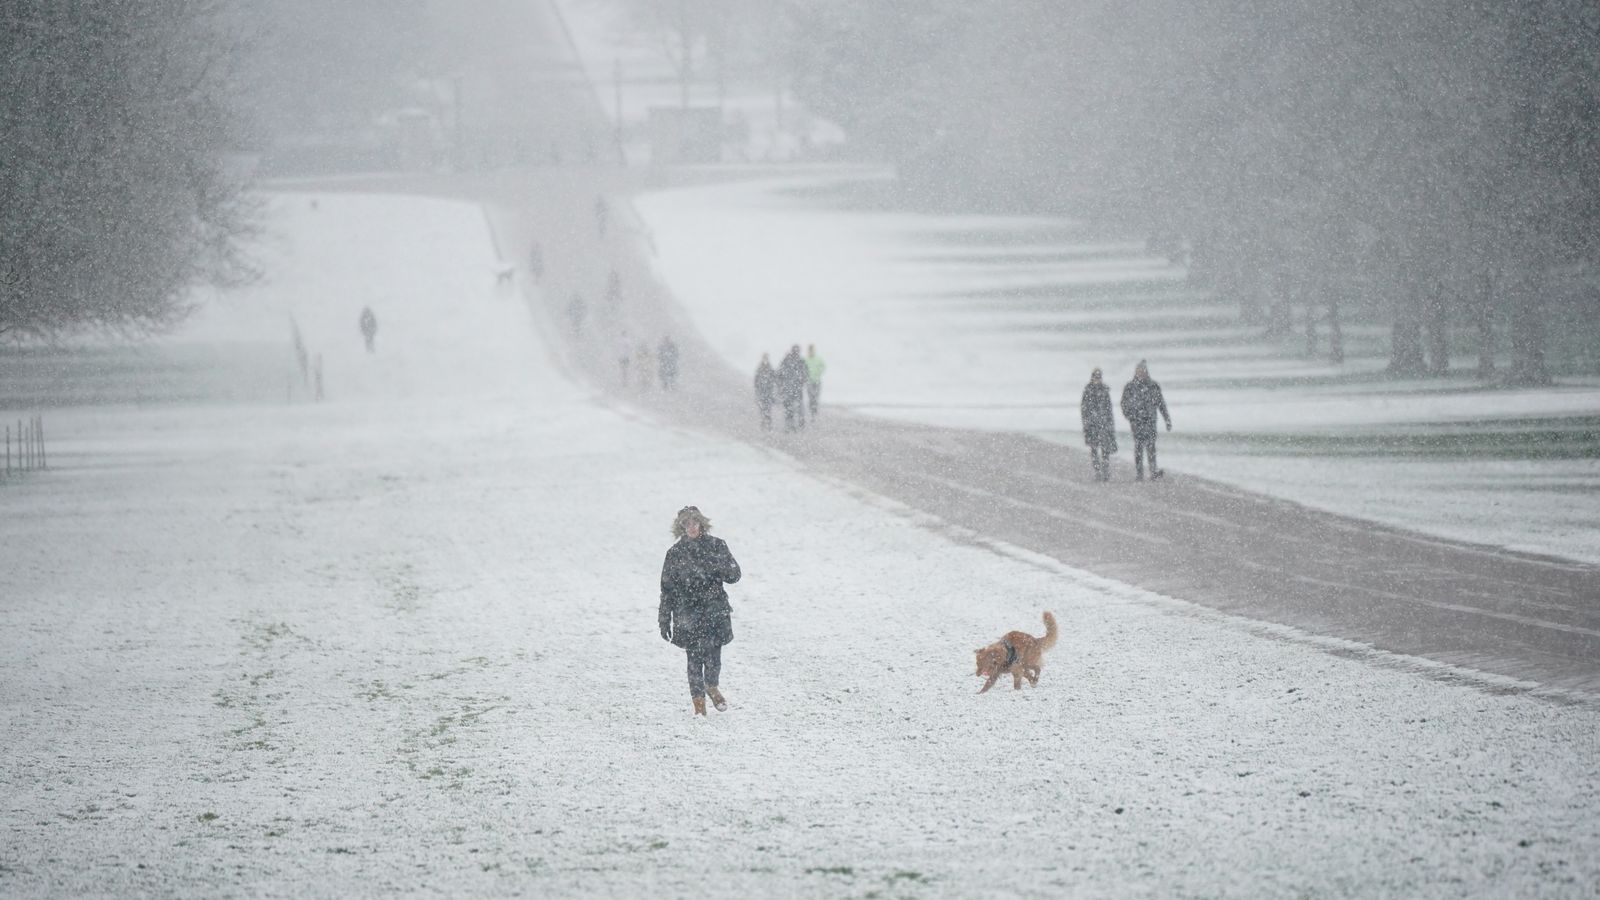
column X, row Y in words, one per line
column 694, row 606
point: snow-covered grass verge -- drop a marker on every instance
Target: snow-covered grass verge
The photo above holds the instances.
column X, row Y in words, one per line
column 994, row 322
column 404, row 640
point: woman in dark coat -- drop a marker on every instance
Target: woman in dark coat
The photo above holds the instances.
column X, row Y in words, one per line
column 1099, row 426
column 694, row 611
column 766, row 391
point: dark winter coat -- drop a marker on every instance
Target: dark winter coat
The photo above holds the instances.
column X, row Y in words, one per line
column 792, row 377
column 1099, row 427
column 694, row 607
column 1141, row 401
column 766, row 386
column 667, row 353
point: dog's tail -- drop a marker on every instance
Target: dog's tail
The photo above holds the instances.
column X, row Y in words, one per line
column 1049, row 639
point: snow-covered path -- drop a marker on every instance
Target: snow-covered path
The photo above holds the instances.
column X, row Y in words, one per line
column 985, row 322
column 404, row 640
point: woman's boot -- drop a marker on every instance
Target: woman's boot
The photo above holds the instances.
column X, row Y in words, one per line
column 699, row 706
column 717, row 700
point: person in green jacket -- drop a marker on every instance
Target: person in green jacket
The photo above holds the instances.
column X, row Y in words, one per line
column 814, row 369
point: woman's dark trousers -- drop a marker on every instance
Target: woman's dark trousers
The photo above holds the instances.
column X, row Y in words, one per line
column 705, row 668
column 1144, row 444
column 1101, row 457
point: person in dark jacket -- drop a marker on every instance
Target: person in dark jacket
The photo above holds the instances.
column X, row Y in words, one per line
column 694, row 612
column 667, row 359
column 766, row 391
column 369, row 329
column 1099, row 426
column 1141, row 400
column 792, row 378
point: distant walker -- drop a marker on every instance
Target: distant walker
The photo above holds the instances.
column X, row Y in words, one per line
column 369, row 327
column 1141, row 401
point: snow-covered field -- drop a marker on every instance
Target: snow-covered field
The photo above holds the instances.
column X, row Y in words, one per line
column 404, row 640
column 995, row 322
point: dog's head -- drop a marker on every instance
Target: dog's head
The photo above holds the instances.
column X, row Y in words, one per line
column 991, row 659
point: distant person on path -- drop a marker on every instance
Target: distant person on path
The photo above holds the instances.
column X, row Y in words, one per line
column 766, row 391
column 577, row 311
column 369, row 327
column 602, row 215
column 536, row 261
column 694, row 612
column 624, row 356
column 1099, row 425
column 613, row 291
column 667, row 359
column 645, row 363
column 814, row 369
column 792, row 389
column 1141, row 400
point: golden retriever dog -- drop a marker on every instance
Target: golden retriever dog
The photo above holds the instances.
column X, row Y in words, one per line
column 1018, row 653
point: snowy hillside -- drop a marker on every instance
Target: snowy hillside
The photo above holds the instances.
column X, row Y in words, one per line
column 404, row 640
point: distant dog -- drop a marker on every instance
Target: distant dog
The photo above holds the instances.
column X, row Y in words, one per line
column 1018, row 653
column 504, row 275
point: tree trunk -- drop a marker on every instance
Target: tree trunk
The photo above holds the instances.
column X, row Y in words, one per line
column 1438, row 315
column 1280, row 315
column 1527, row 332
column 1311, row 327
column 1484, row 313
column 1248, row 280
column 1335, row 331
column 686, row 59
column 1405, row 347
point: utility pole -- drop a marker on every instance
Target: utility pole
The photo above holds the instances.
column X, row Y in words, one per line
column 616, row 81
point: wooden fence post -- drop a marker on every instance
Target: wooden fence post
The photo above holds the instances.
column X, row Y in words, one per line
column 44, row 462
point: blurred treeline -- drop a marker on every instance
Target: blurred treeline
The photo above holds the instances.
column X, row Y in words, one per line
column 116, row 117
column 130, row 129
column 1436, row 159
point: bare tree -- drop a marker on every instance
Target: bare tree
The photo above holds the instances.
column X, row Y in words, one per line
column 115, row 197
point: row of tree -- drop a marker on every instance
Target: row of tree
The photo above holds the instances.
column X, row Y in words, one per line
column 122, row 184
column 1436, row 156
column 115, row 191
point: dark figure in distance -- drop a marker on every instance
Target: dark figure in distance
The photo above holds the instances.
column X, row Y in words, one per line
column 613, row 290
column 792, row 378
column 577, row 310
column 536, row 261
column 602, row 215
column 1099, row 426
column 814, row 369
column 667, row 360
column 766, row 391
column 694, row 612
column 1141, row 400
column 369, row 326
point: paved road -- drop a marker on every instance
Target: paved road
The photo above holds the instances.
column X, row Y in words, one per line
column 1533, row 619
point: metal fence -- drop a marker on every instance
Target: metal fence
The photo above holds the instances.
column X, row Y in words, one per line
column 25, row 449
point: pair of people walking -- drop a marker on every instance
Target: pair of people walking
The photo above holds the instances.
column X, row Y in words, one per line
column 694, row 613
column 796, row 379
column 1141, row 402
